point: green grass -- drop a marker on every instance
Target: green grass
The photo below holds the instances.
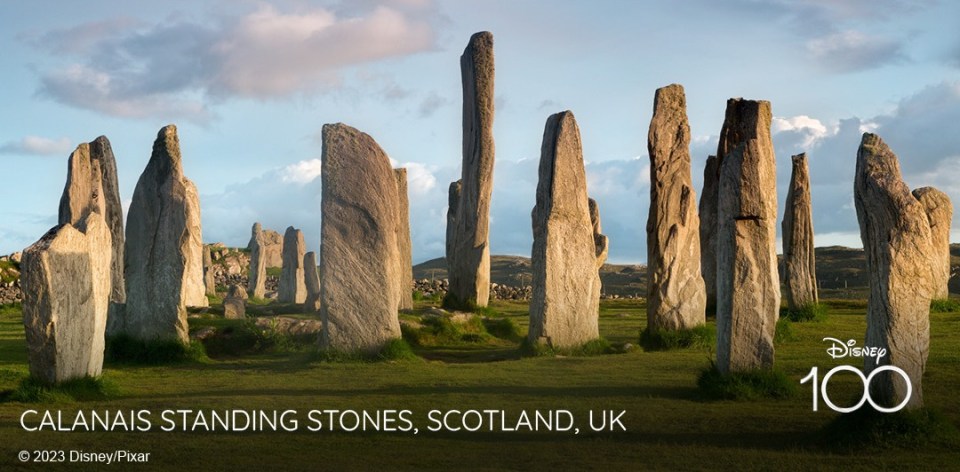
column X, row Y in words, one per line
column 948, row 305
column 905, row 429
column 274, row 271
column 31, row 390
column 669, row 425
column 392, row 350
column 5, row 278
column 123, row 349
column 701, row 337
column 784, row 332
column 750, row 385
column 816, row 312
column 596, row 347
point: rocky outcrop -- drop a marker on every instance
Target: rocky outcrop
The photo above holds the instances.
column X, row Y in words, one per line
column 565, row 264
column 897, row 239
column 940, row 214
column 293, row 289
column 748, row 286
column 66, row 287
column 163, row 257
column 799, row 269
column 312, row 282
column 675, row 292
column 468, row 247
column 708, row 230
column 405, row 246
column 359, row 261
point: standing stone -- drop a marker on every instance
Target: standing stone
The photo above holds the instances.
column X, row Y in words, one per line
column 675, row 292
column 271, row 245
column 564, row 262
column 102, row 152
column 799, row 270
column 257, row 280
column 209, row 279
column 312, row 281
column 469, row 260
column 292, row 288
column 897, row 241
column 359, row 261
column 708, row 229
column 601, row 249
column 163, row 259
column 235, row 303
column 748, row 286
column 66, row 295
column 453, row 204
column 66, row 281
column 403, row 240
column 940, row 213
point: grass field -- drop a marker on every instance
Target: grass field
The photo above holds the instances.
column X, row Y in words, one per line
column 670, row 426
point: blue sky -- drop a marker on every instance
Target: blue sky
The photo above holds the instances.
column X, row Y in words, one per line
column 250, row 83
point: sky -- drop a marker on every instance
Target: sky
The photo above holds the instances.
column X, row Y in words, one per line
column 249, row 85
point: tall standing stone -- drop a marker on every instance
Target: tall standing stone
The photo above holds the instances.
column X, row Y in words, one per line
column 708, row 230
column 66, row 280
column 359, row 261
column 601, row 248
column 312, row 281
column 799, row 269
column 102, row 152
column 564, row 262
column 940, row 213
column 292, row 287
column 271, row 245
column 209, row 279
column 163, row 257
column 403, row 241
column 469, row 260
column 675, row 292
column 257, row 280
column 748, row 285
column 897, row 241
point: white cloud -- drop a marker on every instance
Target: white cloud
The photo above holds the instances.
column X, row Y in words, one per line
column 302, row 172
column 176, row 67
column 851, row 51
column 37, row 145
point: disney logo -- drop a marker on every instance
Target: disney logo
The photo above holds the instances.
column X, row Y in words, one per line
column 839, row 349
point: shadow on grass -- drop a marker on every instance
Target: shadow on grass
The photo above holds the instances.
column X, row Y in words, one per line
column 909, row 429
column 32, row 390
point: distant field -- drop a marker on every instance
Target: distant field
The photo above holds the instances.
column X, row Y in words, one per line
column 670, row 427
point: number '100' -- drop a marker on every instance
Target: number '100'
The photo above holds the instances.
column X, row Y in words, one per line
column 822, row 391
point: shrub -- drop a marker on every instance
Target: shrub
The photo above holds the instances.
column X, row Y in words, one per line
column 392, row 350
column 749, row 385
column 503, row 328
column 702, row 336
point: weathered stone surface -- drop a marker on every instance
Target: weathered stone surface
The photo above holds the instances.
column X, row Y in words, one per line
column 405, row 246
column 359, row 261
column 748, row 285
column 469, row 260
column 897, row 241
column 564, row 262
column 292, row 289
column 675, row 292
column 257, row 279
column 163, row 258
column 312, row 281
column 271, row 245
column 940, row 214
column 601, row 249
column 235, row 303
column 799, row 270
column 209, row 279
column 102, row 152
column 708, row 229
column 66, row 296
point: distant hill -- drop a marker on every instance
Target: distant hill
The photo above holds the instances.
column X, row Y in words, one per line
column 841, row 272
